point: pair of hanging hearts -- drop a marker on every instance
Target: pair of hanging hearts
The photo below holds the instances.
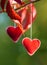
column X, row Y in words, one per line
column 23, row 20
column 30, row 45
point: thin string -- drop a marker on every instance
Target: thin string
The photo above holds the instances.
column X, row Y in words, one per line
column 14, row 24
column 31, row 25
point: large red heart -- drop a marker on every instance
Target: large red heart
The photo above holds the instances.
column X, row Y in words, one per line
column 14, row 33
column 31, row 45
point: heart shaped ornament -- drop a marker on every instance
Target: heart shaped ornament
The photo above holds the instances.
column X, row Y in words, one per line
column 30, row 45
column 14, row 33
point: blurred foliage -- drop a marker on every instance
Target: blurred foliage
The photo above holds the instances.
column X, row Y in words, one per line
column 15, row 54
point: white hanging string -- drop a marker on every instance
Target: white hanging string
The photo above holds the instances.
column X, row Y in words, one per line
column 31, row 24
column 14, row 25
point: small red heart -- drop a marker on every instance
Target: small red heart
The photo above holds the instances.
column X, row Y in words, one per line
column 31, row 45
column 14, row 33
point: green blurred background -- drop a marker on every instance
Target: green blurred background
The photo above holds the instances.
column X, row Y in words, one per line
column 15, row 54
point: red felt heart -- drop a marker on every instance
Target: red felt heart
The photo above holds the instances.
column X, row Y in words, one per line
column 14, row 33
column 31, row 45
